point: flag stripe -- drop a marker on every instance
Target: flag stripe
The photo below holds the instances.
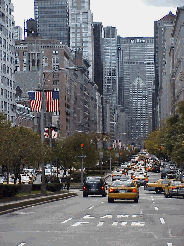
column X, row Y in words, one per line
column 52, row 104
column 35, row 101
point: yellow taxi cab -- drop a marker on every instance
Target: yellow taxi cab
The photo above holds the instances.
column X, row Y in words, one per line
column 175, row 188
column 123, row 190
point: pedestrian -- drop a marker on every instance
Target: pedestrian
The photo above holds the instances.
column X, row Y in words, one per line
column 68, row 183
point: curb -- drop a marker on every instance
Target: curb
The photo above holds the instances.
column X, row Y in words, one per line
column 17, row 205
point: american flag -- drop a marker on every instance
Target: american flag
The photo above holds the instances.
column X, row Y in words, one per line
column 52, row 99
column 35, row 100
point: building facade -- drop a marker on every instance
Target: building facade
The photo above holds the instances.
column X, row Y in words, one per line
column 81, row 30
column 110, row 79
column 7, row 95
column 60, row 70
column 162, row 42
column 53, row 19
column 177, row 75
column 138, row 78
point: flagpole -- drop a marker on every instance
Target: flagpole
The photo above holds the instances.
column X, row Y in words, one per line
column 43, row 184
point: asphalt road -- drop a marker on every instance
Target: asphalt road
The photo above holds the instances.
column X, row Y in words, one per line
column 92, row 221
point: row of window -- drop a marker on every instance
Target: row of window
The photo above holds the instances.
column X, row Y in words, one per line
column 6, row 94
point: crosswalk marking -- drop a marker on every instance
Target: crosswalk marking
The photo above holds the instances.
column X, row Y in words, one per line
column 80, row 223
column 115, row 223
column 122, row 215
column 65, row 221
column 88, row 216
column 109, row 216
column 124, row 223
column 137, row 223
column 100, row 224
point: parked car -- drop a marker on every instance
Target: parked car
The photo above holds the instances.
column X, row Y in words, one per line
column 94, row 185
column 123, row 190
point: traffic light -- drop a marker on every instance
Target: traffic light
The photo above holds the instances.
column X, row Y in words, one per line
column 110, row 149
column 82, row 146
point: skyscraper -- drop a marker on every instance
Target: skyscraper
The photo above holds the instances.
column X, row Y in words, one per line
column 110, row 79
column 81, row 30
column 53, row 19
column 138, row 78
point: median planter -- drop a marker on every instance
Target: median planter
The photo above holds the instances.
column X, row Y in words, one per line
column 25, row 188
column 12, row 206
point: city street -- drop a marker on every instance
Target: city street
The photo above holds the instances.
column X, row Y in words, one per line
column 155, row 220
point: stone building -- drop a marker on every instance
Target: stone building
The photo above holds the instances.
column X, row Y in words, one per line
column 39, row 61
column 177, row 75
column 7, row 82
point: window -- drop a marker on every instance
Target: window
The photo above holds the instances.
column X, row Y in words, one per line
column 56, row 82
column 55, row 75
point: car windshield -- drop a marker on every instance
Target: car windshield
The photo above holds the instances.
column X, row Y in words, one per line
column 93, row 179
column 176, row 183
column 123, row 183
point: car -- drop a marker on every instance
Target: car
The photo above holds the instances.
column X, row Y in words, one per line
column 2, row 178
column 141, row 179
column 123, row 190
column 116, row 175
column 158, row 186
column 155, row 168
column 25, row 179
column 94, row 185
column 175, row 188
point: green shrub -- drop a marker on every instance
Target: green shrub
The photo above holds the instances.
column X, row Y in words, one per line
column 36, row 187
column 54, row 187
column 9, row 190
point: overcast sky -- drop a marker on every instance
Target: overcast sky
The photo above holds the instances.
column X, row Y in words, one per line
column 132, row 18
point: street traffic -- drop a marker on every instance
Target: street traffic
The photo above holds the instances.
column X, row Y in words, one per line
column 154, row 220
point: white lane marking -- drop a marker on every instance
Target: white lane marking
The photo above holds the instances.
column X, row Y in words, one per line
column 169, row 244
column 156, row 208
column 162, row 221
column 124, row 223
column 21, row 244
column 80, row 223
column 109, row 216
column 100, row 223
column 65, row 221
column 134, row 216
column 122, row 215
column 115, row 223
column 141, row 211
column 24, row 213
column 88, row 216
column 134, row 223
column 101, row 202
column 91, row 207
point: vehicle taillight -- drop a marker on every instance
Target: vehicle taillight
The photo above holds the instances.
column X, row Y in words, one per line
column 102, row 187
column 134, row 190
column 135, row 179
column 112, row 175
column 111, row 190
column 146, row 179
column 173, row 187
column 84, row 187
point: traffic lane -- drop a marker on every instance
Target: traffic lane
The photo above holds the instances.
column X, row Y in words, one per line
column 169, row 212
column 70, row 218
column 86, row 221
